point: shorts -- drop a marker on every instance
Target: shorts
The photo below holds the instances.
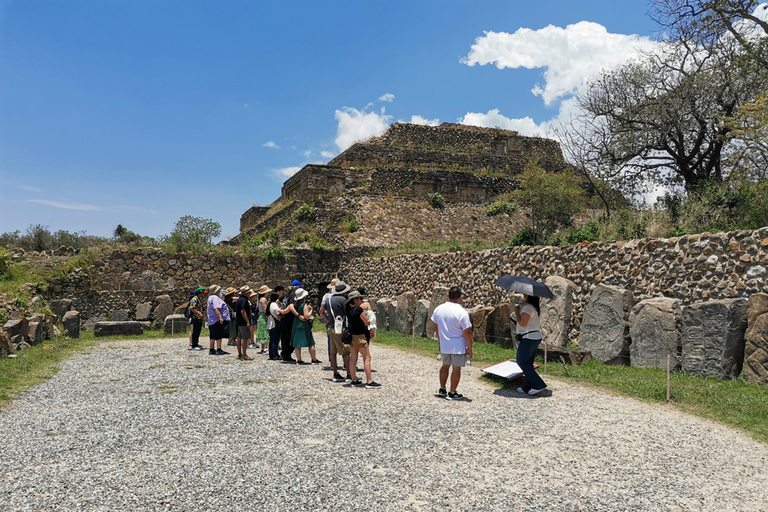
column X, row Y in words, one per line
column 244, row 332
column 359, row 341
column 337, row 347
column 218, row 331
column 454, row 359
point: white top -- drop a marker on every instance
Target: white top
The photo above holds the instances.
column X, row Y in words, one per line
column 451, row 320
column 532, row 329
column 274, row 311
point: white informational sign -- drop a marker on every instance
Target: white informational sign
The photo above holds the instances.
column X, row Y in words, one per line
column 507, row 369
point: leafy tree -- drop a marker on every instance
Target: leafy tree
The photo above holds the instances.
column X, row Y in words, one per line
column 749, row 138
column 120, row 230
column 551, row 200
column 708, row 22
column 193, row 233
column 658, row 121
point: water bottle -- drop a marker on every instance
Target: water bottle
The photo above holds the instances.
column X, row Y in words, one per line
column 469, row 362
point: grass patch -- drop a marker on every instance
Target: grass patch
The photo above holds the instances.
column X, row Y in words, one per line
column 734, row 403
column 435, row 247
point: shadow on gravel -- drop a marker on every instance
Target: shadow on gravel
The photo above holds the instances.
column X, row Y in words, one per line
column 512, row 393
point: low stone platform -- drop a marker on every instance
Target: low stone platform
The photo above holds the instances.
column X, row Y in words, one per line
column 129, row 328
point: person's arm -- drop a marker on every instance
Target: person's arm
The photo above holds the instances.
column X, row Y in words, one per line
column 218, row 313
column 323, row 315
column 305, row 313
column 468, row 340
column 244, row 312
column 289, row 309
column 364, row 318
column 522, row 320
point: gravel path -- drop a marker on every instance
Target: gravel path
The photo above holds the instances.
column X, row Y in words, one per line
column 148, row 425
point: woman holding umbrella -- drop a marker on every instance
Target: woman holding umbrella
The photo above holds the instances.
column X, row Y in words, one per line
column 529, row 337
column 528, row 327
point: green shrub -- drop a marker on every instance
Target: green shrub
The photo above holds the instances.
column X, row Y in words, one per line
column 453, row 245
column 273, row 253
column 306, row 213
column 350, row 226
column 437, row 201
column 499, row 207
column 522, row 237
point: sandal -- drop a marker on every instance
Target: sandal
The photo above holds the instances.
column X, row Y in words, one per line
column 316, row 361
column 246, row 358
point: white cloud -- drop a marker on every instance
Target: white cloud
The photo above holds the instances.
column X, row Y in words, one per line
column 307, row 153
column 67, row 206
column 286, row 172
column 524, row 126
column 571, row 55
column 387, row 97
column 358, row 125
column 424, row 121
column 271, row 144
column 29, row 189
column 327, row 154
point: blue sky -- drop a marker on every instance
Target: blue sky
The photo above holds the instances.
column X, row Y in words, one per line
column 139, row 112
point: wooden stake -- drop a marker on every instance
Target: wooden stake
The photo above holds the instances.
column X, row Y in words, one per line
column 545, row 357
column 413, row 337
column 21, row 360
column 668, row 372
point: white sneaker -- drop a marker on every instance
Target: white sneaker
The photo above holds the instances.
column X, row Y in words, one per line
column 521, row 390
column 536, row 391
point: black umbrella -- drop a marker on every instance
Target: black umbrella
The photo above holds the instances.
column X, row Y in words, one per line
column 524, row 285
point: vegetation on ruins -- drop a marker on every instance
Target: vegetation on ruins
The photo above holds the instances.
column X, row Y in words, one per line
column 192, row 234
column 436, row 200
column 551, row 200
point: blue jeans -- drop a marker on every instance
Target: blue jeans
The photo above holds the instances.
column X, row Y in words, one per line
column 526, row 353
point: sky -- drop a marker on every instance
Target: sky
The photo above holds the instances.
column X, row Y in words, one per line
column 140, row 112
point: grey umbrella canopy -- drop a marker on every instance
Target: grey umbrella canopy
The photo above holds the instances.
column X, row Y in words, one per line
column 524, row 285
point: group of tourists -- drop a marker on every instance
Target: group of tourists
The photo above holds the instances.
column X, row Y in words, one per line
column 278, row 322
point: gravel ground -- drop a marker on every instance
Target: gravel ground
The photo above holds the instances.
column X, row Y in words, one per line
column 148, row 425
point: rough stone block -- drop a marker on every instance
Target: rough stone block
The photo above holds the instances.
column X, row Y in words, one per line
column 61, row 306
column 420, row 318
column 479, row 317
column 392, row 316
column 406, row 306
column 382, row 317
column 91, row 322
column 117, row 329
column 144, row 311
column 572, row 356
column 713, row 337
column 756, row 340
column 120, row 315
column 605, row 326
column 439, row 295
column 175, row 324
column 163, row 308
column 6, row 347
column 16, row 328
column 51, row 323
column 498, row 327
column 71, row 322
column 654, row 326
column 556, row 312
column 36, row 333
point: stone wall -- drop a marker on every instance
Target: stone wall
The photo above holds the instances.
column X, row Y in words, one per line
column 252, row 216
column 452, row 146
column 319, row 181
column 690, row 268
column 122, row 280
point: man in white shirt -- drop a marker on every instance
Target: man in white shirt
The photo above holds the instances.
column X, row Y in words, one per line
column 454, row 333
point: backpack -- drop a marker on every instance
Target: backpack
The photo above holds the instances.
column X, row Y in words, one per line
column 187, row 311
